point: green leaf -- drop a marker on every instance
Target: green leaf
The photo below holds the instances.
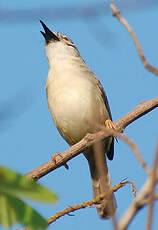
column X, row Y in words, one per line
column 15, row 210
column 20, row 186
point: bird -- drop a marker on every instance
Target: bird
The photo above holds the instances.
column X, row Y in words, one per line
column 78, row 105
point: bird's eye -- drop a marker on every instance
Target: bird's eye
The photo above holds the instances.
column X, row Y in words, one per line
column 69, row 42
column 64, row 37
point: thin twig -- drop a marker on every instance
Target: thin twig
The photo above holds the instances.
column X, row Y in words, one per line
column 124, row 182
column 90, row 139
column 116, row 13
column 136, row 204
column 89, row 203
column 152, row 191
column 147, row 200
column 133, row 147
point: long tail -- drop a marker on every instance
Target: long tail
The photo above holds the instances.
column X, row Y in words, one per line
column 101, row 184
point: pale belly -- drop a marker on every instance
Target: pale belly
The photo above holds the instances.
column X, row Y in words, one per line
column 76, row 109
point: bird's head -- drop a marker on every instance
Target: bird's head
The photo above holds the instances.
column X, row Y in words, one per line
column 58, row 46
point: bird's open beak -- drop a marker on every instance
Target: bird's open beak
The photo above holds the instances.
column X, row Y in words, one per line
column 48, row 35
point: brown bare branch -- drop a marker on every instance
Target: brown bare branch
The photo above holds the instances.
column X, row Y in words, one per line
column 124, row 182
column 132, row 146
column 147, row 201
column 90, row 139
column 137, row 204
column 116, row 13
column 152, row 191
column 87, row 203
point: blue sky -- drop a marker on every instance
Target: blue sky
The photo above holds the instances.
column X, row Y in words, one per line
column 28, row 135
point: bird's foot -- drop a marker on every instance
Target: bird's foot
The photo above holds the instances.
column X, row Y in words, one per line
column 110, row 125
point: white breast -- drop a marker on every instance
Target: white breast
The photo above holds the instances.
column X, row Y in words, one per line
column 76, row 105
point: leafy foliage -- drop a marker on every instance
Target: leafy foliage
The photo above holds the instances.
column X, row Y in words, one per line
column 13, row 187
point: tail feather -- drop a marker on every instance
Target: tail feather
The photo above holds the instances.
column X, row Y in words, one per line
column 101, row 184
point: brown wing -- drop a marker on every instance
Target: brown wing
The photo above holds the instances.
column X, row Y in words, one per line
column 110, row 153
